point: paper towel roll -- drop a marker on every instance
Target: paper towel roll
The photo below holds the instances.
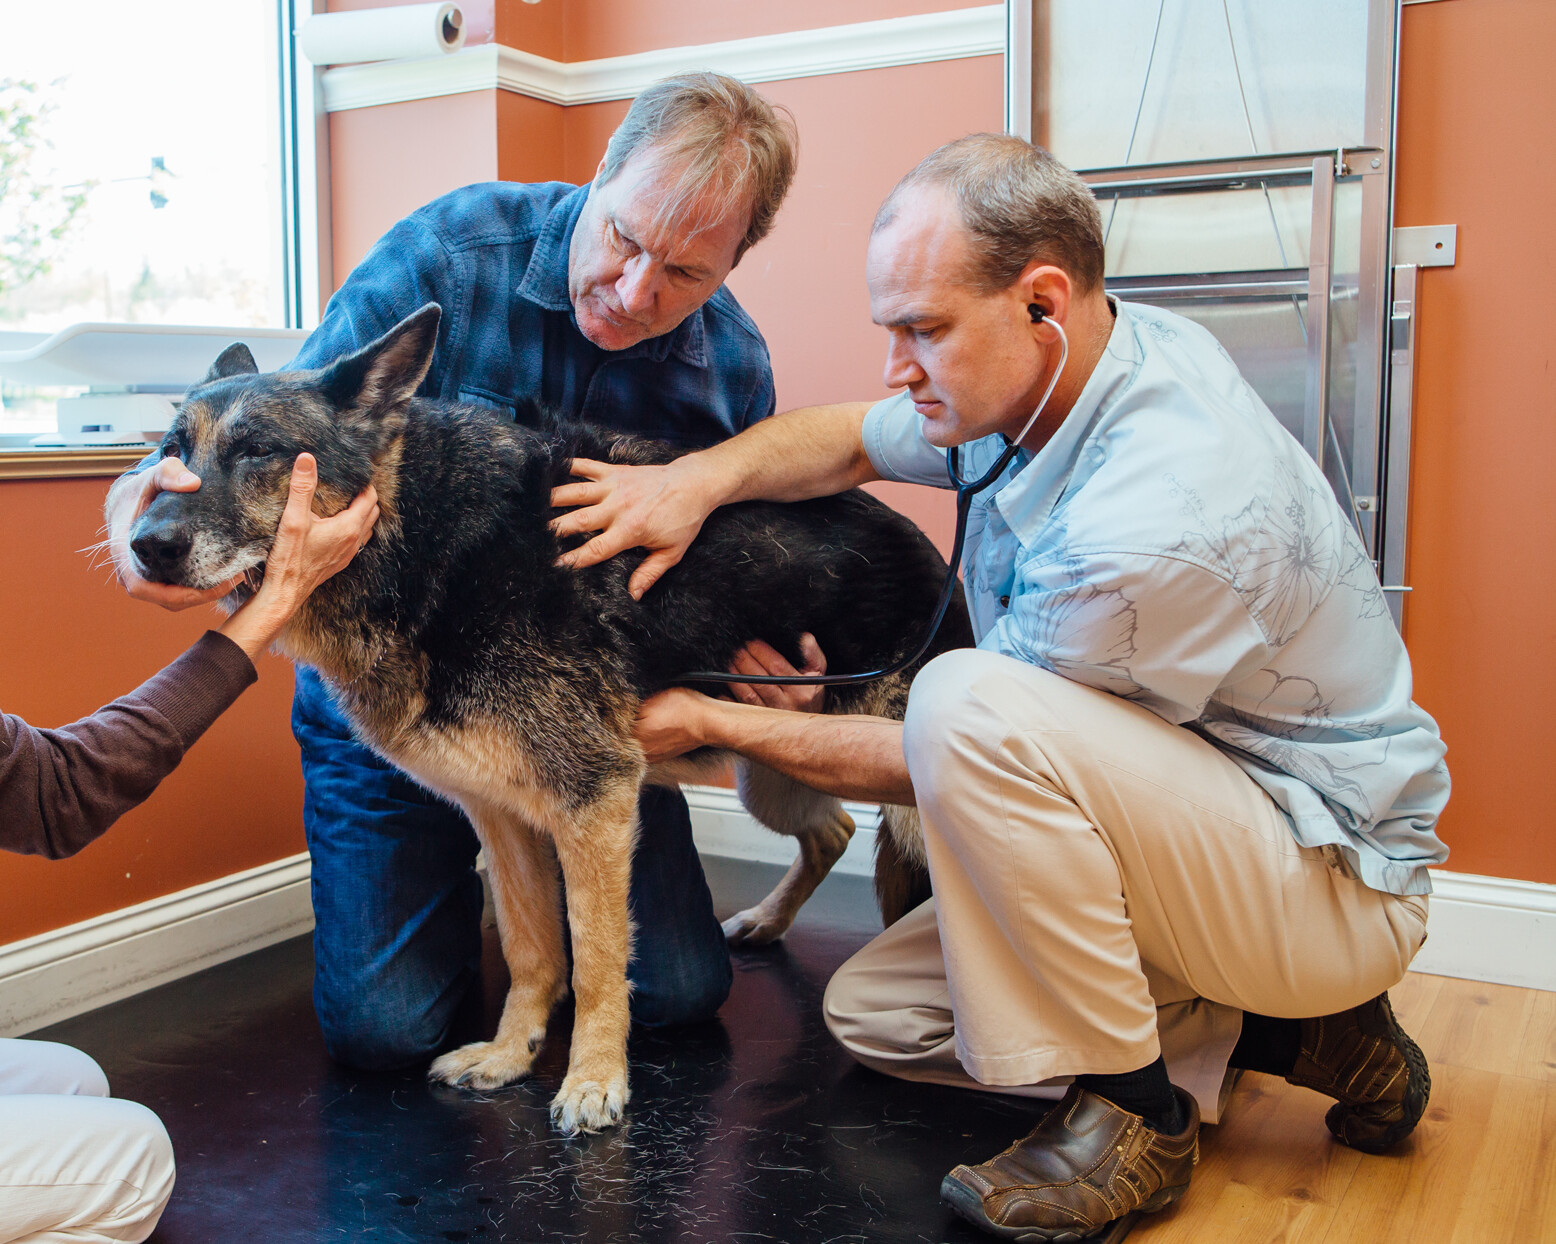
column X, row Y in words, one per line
column 392, row 33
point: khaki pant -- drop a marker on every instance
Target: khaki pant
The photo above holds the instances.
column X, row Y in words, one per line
column 1107, row 887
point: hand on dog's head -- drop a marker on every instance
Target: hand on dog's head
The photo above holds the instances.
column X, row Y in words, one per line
column 241, row 430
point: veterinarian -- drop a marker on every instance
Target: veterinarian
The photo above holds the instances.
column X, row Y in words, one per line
column 1178, row 805
column 74, row 1162
column 605, row 302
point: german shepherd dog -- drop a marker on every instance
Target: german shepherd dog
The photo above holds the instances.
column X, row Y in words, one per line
column 464, row 656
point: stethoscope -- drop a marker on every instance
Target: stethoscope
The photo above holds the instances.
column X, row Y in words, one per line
column 965, row 492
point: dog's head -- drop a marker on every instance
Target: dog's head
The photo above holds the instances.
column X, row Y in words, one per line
column 241, row 432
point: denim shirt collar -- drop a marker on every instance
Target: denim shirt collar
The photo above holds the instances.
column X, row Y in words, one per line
column 545, row 284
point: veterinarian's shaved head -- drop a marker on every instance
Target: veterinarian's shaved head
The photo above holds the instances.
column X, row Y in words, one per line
column 716, row 132
column 1017, row 203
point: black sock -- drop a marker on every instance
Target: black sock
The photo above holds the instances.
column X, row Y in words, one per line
column 1268, row 1045
column 1147, row 1093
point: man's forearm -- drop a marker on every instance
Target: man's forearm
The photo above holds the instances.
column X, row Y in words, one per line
column 850, row 757
column 813, row 451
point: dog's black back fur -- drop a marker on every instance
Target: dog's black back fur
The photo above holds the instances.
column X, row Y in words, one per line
column 471, row 577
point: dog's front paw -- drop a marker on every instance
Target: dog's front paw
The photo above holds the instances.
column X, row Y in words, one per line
column 754, row 927
column 482, row 1065
column 589, row 1105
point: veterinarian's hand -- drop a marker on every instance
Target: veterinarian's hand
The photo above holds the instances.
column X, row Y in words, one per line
column 127, row 501
column 307, row 550
column 762, row 658
column 629, row 507
column 670, row 724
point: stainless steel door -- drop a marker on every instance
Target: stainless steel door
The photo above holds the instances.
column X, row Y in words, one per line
column 1242, row 153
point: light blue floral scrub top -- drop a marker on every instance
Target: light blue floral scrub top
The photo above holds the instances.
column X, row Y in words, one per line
column 1174, row 545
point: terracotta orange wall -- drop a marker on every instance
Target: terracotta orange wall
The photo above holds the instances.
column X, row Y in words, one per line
column 71, row 641
column 387, row 161
column 1477, row 124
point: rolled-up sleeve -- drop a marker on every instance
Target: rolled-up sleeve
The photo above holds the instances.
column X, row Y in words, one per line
column 895, row 442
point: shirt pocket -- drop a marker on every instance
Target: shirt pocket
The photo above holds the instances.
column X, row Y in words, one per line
column 503, row 404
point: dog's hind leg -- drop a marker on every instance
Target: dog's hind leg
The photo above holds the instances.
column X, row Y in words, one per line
column 594, row 846
column 823, row 830
column 523, row 871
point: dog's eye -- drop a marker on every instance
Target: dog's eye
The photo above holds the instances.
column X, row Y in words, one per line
column 257, row 449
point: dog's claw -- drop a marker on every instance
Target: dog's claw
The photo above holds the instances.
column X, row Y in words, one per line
column 483, row 1065
column 753, row 927
column 588, row 1105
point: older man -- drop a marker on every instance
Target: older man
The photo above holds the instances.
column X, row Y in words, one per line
column 604, row 301
column 1178, row 805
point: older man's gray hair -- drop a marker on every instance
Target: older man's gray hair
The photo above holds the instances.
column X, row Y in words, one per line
column 719, row 135
column 1018, row 203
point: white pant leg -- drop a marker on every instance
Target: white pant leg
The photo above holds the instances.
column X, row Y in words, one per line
column 1107, row 887
column 76, row 1167
column 48, row 1067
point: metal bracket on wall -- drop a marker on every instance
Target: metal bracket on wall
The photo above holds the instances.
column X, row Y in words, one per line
column 1426, row 246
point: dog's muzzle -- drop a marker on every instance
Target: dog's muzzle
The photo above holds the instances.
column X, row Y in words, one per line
column 162, row 548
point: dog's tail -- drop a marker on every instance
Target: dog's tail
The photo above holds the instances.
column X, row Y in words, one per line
column 901, row 877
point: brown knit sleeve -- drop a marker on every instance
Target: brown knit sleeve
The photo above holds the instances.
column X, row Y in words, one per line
column 60, row 789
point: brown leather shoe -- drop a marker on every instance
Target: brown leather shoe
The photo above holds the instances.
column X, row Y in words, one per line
column 1087, row 1163
column 1376, row 1073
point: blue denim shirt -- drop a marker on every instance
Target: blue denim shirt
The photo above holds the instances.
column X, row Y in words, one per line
column 1172, row 544
column 494, row 256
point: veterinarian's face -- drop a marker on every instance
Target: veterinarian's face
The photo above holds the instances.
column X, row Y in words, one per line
column 639, row 265
column 969, row 359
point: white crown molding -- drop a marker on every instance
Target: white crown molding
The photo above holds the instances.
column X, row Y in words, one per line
column 912, row 40
column 83, row 966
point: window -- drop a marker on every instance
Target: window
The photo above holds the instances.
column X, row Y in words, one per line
column 146, row 161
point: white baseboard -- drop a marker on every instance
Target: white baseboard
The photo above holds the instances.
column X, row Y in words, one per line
column 83, row 966
column 1490, row 929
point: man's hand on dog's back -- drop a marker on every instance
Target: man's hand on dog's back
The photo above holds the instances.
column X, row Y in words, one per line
column 814, row 451
column 630, row 507
column 127, row 501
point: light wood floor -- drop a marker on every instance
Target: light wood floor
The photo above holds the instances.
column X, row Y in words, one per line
column 1479, row 1169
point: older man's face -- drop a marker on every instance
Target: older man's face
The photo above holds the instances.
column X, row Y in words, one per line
column 966, row 357
column 633, row 271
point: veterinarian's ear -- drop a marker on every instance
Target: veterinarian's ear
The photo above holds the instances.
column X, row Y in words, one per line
column 235, row 360
column 385, row 373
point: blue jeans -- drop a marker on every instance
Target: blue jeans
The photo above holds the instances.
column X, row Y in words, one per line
column 397, row 902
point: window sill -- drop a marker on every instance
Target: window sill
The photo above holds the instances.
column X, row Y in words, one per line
column 69, row 463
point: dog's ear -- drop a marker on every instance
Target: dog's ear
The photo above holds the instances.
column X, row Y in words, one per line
column 385, row 373
column 235, row 360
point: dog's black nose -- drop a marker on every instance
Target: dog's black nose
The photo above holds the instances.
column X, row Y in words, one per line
column 162, row 547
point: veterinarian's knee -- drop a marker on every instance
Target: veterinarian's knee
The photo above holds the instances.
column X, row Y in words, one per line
column 950, row 717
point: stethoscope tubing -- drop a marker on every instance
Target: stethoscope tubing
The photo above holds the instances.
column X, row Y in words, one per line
column 964, row 495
